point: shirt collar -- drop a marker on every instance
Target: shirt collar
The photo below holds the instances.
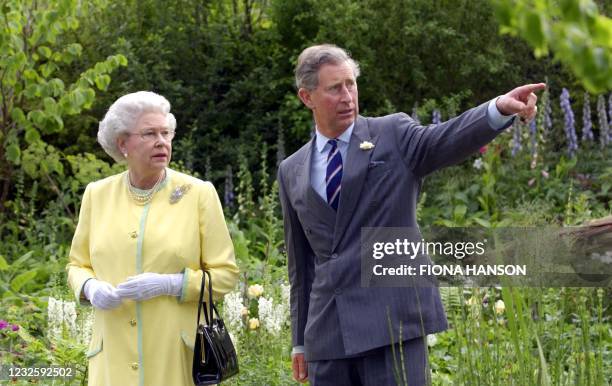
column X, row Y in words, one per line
column 344, row 137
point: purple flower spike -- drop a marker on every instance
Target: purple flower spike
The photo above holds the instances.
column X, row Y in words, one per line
column 15, row 327
column 436, row 117
column 570, row 128
column 587, row 125
column 604, row 128
column 228, row 197
column 547, row 114
column 533, row 136
column 3, row 324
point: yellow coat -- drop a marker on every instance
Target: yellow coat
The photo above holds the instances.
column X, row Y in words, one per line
column 149, row 342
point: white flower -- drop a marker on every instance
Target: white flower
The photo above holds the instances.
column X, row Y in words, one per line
column 432, row 339
column 232, row 310
column 285, row 294
column 273, row 316
column 69, row 310
column 255, row 291
column 87, row 321
column 478, row 163
column 55, row 319
column 62, row 319
column 366, row 145
column 500, row 307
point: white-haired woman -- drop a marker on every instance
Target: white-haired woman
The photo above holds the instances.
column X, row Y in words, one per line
column 143, row 239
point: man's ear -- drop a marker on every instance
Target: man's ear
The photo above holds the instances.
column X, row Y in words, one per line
column 306, row 98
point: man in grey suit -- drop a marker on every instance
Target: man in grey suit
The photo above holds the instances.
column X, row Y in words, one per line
column 365, row 172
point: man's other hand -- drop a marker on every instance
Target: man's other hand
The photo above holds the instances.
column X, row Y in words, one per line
column 521, row 101
column 300, row 368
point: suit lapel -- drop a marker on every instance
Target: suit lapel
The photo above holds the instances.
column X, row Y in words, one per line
column 312, row 199
column 354, row 172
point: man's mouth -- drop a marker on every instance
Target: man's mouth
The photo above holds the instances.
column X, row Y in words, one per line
column 344, row 113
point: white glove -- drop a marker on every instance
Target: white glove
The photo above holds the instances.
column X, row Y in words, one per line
column 101, row 294
column 149, row 285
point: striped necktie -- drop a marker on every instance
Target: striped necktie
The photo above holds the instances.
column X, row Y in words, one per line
column 333, row 176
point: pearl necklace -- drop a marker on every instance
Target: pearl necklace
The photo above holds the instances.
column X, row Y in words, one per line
column 142, row 196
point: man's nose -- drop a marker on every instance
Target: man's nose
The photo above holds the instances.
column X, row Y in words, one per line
column 345, row 95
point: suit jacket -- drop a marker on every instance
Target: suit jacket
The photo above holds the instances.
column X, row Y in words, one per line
column 331, row 314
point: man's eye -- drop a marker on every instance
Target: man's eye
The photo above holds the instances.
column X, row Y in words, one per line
column 149, row 134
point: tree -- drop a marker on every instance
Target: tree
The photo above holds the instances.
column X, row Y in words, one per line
column 33, row 100
column 574, row 30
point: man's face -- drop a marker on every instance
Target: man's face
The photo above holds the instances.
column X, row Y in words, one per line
column 334, row 102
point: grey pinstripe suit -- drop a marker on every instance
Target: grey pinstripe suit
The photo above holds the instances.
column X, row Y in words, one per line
column 331, row 314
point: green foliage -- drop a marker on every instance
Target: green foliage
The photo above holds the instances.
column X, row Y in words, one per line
column 227, row 69
column 573, row 29
column 539, row 336
column 34, row 100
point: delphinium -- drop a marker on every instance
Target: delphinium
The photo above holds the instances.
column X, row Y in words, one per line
column 228, row 197
column 436, row 117
column 547, row 112
column 604, row 128
column 533, row 136
column 587, row 124
column 569, row 126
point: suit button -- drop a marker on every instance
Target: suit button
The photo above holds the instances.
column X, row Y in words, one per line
column 334, row 256
column 337, row 291
column 133, row 322
column 133, row 234
column 134, row 366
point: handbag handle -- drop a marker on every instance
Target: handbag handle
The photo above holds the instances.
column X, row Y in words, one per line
column 211, row 305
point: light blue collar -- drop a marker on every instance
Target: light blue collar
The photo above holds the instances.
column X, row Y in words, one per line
column 344, row 137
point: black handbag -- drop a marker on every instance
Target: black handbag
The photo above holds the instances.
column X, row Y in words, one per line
column 214, row 355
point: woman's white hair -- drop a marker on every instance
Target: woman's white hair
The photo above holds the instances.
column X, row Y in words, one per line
column 123, row 114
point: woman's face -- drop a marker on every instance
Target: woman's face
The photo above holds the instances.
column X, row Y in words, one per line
column 148, row 145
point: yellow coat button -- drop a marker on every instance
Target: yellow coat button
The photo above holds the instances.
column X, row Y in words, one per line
column 133, row 234
column 133, row 322
column 134, row 366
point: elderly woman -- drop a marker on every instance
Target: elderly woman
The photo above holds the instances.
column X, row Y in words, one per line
column 143, row 240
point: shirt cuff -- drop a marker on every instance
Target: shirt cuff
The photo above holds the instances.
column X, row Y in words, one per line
column 297, row 350
column 497, row 120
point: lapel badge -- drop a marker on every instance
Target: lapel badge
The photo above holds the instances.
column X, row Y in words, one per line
column 366, row 145
column 178, row 193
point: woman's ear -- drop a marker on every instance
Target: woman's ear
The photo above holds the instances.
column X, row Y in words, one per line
column 121, row 145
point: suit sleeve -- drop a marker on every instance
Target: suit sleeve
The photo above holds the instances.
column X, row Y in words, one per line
column 79, row 264
column 216, row 250
column 429, row 148
column 300, row 265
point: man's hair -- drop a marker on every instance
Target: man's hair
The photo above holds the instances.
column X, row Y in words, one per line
column 311, row 60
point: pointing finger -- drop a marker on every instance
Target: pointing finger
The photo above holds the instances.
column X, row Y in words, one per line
column 530, row 88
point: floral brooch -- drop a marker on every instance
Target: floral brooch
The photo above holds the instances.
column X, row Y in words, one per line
column 178, row 193
column 366, row 145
